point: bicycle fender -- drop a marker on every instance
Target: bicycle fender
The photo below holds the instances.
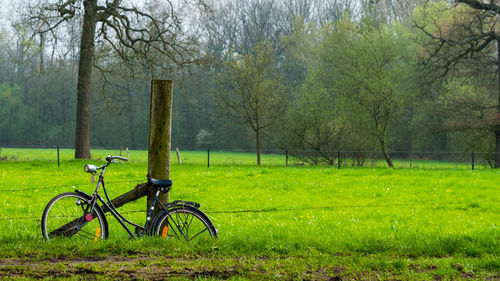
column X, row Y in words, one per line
column 97, row 209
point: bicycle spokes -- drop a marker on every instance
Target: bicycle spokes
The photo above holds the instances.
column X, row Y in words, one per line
column 89, row 235
column 66, row 230
column 183, row 225
column 70, row 215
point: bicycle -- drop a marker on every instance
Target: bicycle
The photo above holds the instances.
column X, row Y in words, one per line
column 78, row 214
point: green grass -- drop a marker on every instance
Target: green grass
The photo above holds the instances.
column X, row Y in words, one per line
column 354, row 223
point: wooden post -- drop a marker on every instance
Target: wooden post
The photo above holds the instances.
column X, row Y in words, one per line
column 286, row 153
column 178, row 152
column 121, row 147
column 338, row 160
column 126, row 150
column 208, row 157
column 473, row 160
column 160, row 129
column 57, row 156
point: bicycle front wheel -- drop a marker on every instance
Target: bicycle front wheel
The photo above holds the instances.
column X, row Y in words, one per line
column 67, row 215
column 184, row 223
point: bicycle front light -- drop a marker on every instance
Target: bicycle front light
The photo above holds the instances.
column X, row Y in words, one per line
column 90, row 169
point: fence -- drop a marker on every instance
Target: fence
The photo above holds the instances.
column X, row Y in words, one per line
column 425, row 204
column 224, row 157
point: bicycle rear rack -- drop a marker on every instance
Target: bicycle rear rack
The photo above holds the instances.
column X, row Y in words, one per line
column 182, row 202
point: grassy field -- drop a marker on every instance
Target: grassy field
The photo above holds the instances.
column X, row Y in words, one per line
column 274, row 222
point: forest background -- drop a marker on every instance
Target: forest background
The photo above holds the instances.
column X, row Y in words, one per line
column 309, row 75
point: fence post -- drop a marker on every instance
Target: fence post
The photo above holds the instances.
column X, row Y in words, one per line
column 473, row 160
column 160, row 133
column 58, row 156
column 178, row 152
column 338, row 160
column 208, row 157
column 286, row 153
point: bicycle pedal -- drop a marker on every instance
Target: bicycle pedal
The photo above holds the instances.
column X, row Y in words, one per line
column 139, row 231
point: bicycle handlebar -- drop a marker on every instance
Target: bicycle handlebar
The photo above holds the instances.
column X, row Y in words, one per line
column 91, row 169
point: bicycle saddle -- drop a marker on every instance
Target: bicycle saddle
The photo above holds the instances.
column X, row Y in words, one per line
column 161, row 183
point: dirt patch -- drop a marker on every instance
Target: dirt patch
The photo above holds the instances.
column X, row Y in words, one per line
column 143, row 267
column 32, row 262
column 165, row 273
column 138, row 266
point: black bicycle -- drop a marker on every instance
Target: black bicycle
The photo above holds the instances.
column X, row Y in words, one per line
column 78, row 214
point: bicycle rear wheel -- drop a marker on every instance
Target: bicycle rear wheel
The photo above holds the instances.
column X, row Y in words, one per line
column 67, row 215
column 183, row 222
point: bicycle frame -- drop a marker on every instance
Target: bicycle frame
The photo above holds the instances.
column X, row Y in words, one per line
column 118, row 216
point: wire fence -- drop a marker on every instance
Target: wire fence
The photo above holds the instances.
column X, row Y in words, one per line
column 270, row 157
column 276, row 210
column 336, row 159
column 263, row 210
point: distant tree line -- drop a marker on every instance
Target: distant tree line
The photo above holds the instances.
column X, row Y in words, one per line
column 313, row 76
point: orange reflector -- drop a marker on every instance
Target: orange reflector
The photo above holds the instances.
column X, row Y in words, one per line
column 164, row 231
column 97, row 234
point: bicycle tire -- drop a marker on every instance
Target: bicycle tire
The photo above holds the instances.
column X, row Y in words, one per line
column 183, row 222
column 66, row 216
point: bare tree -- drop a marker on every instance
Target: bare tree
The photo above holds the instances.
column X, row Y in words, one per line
column 239, row 26
column 252, row 92
column 389, row 10
column 469, row 30
column 127, row 30
column 330, row 11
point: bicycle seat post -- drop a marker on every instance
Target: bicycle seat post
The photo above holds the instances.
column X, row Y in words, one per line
column 159, row 185
column 148, row 218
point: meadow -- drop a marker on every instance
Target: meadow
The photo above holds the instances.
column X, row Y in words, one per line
column 274, row 222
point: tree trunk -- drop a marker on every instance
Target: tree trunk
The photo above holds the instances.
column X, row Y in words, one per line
column 497, row 117
column 386, row 156
column 82, row 138
column 130, row 117
column 384, row 151
column 20, row 53
column 160, row 131
column 41, row 46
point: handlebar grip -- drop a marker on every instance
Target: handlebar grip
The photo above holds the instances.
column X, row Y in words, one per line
column 109, row 158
